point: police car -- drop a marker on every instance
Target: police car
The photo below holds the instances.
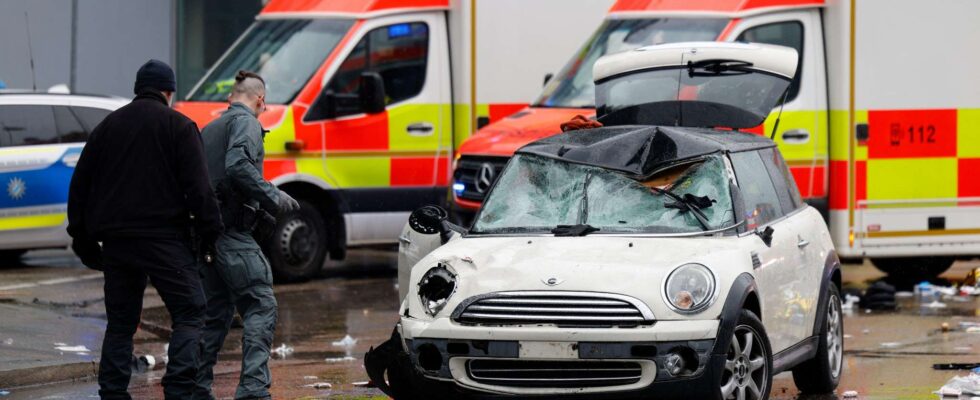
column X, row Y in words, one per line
column 41, row 138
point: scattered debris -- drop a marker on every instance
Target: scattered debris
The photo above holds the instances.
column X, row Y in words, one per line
column 59, row 344
column 320, row 385
column 143, row 363
column 944, row 327
column 973, row 329
column 367, row 384
column 891, row 345
column 850, row 301
column 851, row 394
column 72, row 349
column 866, row 331
column 311, row 377
column 339, row 359
column 963, row 349
column 968, row 385
column 846, row 336
column 282, row 351
column 9, row 341
column 879, row 296
column 348, row 344
column 904, row 294
column 4, row 392
column 955, row 366
column 934, row 304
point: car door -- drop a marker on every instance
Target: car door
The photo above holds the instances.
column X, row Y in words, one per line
column 35, row 166
column 802, row 132
column 391, row 162
column 777, row 265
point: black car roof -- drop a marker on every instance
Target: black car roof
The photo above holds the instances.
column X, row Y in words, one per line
column 641, row 151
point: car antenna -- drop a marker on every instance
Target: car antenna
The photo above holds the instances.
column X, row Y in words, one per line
column 30, row 51
column 775, row 125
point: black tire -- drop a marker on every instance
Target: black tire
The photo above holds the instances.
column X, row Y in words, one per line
column 748, row 364
column 821, row 374
column 913, row 268
column 10, row 258
column 299, row 244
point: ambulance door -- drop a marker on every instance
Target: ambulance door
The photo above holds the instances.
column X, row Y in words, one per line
column 390, row 162
column 802, row 133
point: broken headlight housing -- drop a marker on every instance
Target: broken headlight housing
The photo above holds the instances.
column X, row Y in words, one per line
column 436, row 287
column 690, row 288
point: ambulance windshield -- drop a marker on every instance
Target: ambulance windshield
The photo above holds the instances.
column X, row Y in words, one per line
column 285, row 52
column 573, row 86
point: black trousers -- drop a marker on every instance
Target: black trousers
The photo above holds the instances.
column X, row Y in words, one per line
column 172, row 268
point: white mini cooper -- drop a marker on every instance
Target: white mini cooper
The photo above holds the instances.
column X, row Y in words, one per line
column 664, row 254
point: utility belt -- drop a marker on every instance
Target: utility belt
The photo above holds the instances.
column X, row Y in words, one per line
column 245, row 217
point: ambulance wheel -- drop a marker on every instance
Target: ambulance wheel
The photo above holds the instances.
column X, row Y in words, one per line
column 913, row 268
column 299, row 245
column 10, row 257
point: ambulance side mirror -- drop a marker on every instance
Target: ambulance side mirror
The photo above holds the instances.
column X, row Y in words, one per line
column 372, row 92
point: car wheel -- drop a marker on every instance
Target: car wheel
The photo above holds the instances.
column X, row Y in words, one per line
column 821, row 374
column 748, row 363
column 913, row 268
column 298, row 246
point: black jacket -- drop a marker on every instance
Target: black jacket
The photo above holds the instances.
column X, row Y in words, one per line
column 142, row 174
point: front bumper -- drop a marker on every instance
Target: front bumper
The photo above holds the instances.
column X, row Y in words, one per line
column 448, row 357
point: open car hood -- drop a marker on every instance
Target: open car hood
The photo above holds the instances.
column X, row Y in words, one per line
column 641, row 151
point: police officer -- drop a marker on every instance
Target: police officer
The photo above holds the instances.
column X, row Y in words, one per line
column 240, row 277
column 139, row 187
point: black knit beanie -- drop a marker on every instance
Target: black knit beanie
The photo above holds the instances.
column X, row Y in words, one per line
column 155, row 74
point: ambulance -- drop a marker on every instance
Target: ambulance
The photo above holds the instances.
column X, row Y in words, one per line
column 881, row 128
column 368, row 100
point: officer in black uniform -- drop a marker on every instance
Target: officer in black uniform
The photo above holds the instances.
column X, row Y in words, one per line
column 240, row 277
column 139, row 188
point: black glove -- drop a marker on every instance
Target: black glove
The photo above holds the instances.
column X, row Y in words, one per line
column 287, row 203
column 89, row 252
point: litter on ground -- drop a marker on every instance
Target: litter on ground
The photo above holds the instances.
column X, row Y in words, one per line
column 282, row 351
column 961, row 386
column 73, row 349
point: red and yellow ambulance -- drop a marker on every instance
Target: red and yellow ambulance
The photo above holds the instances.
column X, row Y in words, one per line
column 881, row 128
column 357, row 165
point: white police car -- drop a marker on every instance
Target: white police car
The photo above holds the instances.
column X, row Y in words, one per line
column 657, row 257
column 41, row 138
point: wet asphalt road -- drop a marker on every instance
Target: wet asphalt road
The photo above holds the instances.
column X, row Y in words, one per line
column 888, row 355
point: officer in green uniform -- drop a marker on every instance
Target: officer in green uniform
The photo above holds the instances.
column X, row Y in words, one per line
column 239, row 278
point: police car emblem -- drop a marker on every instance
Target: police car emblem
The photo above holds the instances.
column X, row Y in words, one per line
column 16, row 188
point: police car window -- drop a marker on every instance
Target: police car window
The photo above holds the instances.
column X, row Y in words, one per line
column 90, row 117
column 69, row 128
column 24, row 125
column 758, row 194
column 789, row 34
column 399, row 53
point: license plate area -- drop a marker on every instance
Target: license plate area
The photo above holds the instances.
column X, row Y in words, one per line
column 548, row 350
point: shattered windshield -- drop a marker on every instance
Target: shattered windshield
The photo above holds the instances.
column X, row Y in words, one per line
column 710, row 93
column 537, row 194
column 285, row 52
column 573, row 87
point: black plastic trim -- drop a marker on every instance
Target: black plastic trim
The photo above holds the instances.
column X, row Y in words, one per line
column 739, row 292
column 831, row 265
column 391, row 198
column 795, row 355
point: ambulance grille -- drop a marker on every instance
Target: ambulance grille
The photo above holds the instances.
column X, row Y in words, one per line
column 468, row 171
column 554, row 374
column 571, row 309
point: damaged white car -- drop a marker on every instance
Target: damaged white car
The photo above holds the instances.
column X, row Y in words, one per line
column 665, row 254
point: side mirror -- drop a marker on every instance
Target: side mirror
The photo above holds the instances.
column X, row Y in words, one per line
column 326, row 107
column 765, row 235
column 372, row 92
column 547, row 78
column 430, row 220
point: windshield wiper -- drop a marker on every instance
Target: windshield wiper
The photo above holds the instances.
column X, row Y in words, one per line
column 689, row 202
column 718, row 67
column 574, row 230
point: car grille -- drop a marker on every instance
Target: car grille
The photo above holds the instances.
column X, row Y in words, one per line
column 554, row 374
column 468, row 170
column 579, row 309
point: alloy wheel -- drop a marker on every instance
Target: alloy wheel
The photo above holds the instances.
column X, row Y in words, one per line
column 746, row 370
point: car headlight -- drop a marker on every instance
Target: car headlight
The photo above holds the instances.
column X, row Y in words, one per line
column 690, row 288
column 436, row 287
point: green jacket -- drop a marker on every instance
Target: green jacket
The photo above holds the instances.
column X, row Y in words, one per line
column 234, row 152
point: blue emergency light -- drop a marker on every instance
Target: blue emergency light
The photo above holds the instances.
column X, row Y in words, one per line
column 400, row 30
